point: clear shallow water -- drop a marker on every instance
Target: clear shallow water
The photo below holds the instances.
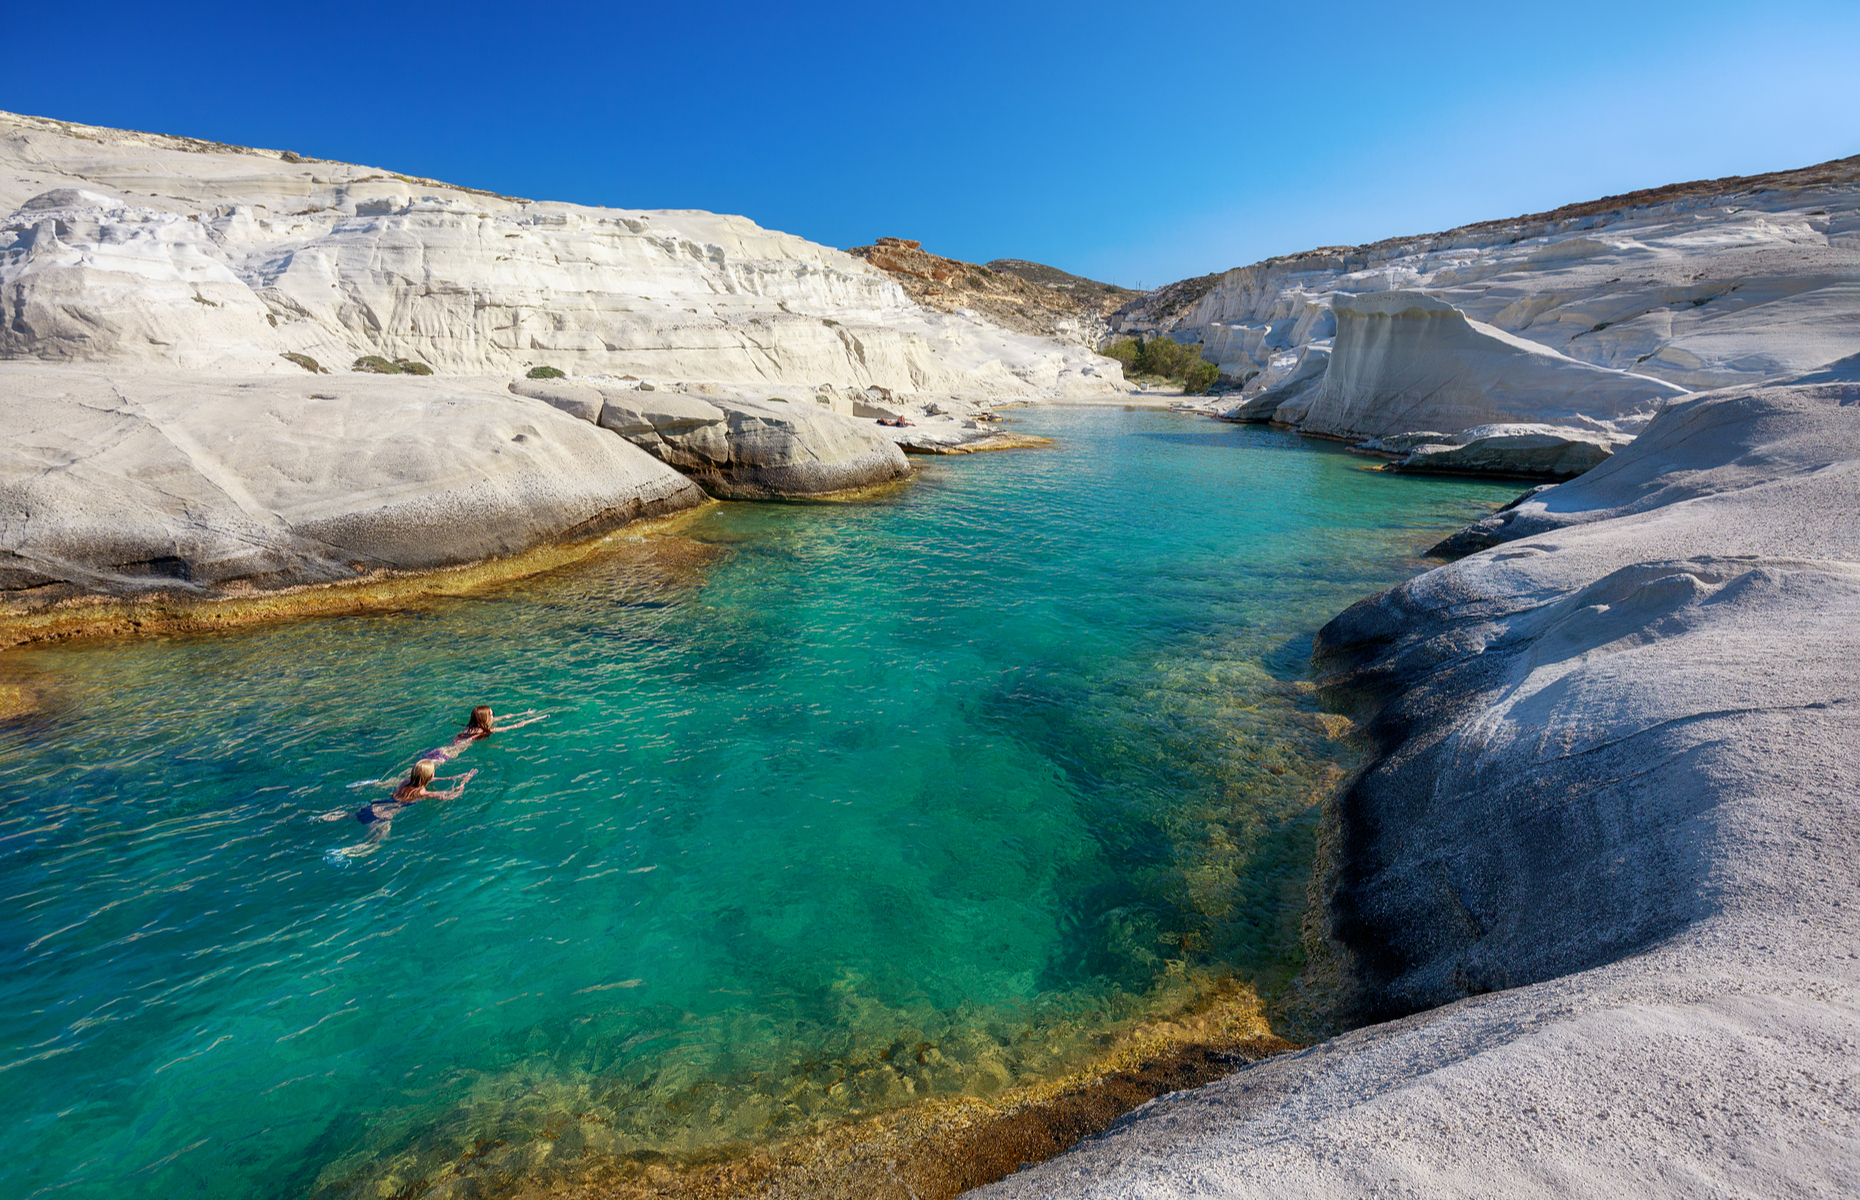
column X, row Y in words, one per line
column 926, row 795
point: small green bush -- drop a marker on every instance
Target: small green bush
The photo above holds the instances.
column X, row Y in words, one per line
column 305, row 361
column 546, row 373
column 374, row 364
column 1201, row 376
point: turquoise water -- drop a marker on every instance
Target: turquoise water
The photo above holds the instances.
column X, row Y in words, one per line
column 923, row 795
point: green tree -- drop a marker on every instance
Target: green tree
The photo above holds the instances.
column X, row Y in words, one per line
column 1167, row 358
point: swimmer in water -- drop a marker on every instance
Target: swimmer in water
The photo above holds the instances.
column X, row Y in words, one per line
column 478, row 726
column 379, row 816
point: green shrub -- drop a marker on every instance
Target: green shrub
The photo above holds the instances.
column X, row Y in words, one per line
column 1200, row 377
column 305, row 361
column 1165, row 358
column 374, row 364
column 546, row 373
column 1124, row 352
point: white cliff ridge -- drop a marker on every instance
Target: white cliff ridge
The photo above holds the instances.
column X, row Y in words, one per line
column 1404, row 361
column 126, row 247
column 139, row 270
column 1586, row 317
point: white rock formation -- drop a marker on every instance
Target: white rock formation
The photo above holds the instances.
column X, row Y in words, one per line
column 1612, row 826
column 1700, row 285
column 129, row 259
column 128, row 480
column 1542, row 451
column 126, row 247
column 735, row 448
column 1405, row 361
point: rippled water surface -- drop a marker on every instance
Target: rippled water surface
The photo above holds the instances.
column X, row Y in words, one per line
column 921, row 795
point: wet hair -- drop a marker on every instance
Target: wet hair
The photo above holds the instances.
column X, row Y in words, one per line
column 422, row 773
column 480, row 718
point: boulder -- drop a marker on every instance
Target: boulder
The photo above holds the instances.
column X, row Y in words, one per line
column 935, row 436
column 123, row 482
column 1530, row 451
column 1291, row 393
column 578, row 400
column 754, row 449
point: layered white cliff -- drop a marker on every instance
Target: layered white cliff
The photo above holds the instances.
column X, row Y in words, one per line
column 138, row 248
column 1405, row 361
column 1701, row 286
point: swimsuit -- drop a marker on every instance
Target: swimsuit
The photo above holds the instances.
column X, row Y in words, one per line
column 381, row 810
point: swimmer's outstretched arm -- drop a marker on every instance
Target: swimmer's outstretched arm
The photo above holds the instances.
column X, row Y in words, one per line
column 527, row 719
column 456, row 792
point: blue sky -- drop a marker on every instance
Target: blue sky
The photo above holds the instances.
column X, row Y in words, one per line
column 1131, row 143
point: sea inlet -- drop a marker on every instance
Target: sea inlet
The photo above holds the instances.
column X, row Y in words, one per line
column 839, row 808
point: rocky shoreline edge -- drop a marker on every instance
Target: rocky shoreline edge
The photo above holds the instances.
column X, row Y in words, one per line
column 1607, row 820
column 1589, row 908
column 163, row 501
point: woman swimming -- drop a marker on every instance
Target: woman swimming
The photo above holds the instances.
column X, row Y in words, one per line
column 478, row 726
column 379, row 816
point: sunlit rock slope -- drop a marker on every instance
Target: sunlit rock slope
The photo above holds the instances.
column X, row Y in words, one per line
column 127, row 247
column 1589, row 315
column 186, row 330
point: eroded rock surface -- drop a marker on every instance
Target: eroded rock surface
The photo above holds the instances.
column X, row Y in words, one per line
column 1611, row 828
column 737, row 447
column 1403, row 360
column 126, row 482
column 1701, row 285
column 127, row 247
column 1528, row 451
